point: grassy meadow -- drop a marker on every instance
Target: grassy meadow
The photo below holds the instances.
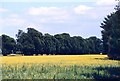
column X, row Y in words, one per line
column 60, row 67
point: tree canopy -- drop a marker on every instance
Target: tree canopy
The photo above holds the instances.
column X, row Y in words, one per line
column 8, row 45
column 111, row 34
column 34, row 42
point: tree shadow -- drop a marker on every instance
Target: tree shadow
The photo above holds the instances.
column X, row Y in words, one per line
column 111, row 73
column 106, row 58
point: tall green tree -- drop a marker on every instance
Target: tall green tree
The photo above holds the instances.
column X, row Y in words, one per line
column 25, row 43
column 0, row 44
column 37, row 40
column 94, row 45
column 50, row 44
column 8, row 45
column 111, row 34
column 30, row 42
column 63, row 43
column 77, row 43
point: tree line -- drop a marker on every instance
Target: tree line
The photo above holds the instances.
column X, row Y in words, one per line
column 34, row 42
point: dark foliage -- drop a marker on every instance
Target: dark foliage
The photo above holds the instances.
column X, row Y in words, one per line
column 34, row 42
column 8, row 45
column 112, row 73
column 111, row 35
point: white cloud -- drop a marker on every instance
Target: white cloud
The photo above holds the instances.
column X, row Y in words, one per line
column 32, row 25
column 1, row 26
column 50, row 1
column 15, row 21
column 46, row 11
column 61, row 17
column 53, row 19
column 106, row 2
column 3, row 10
column 82, row 9
column 14, row 15
column 12, row 22
column 49, row 14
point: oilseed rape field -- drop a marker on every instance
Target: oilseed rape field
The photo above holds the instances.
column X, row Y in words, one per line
column 59, row 67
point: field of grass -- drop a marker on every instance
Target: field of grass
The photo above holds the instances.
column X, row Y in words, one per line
column 59, row 67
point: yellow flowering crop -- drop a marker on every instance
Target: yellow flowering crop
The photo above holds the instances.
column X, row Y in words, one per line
column 62, row 60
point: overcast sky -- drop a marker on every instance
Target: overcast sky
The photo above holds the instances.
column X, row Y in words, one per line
column 76, row 17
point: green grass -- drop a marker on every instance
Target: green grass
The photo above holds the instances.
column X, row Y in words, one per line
column 48, row 71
